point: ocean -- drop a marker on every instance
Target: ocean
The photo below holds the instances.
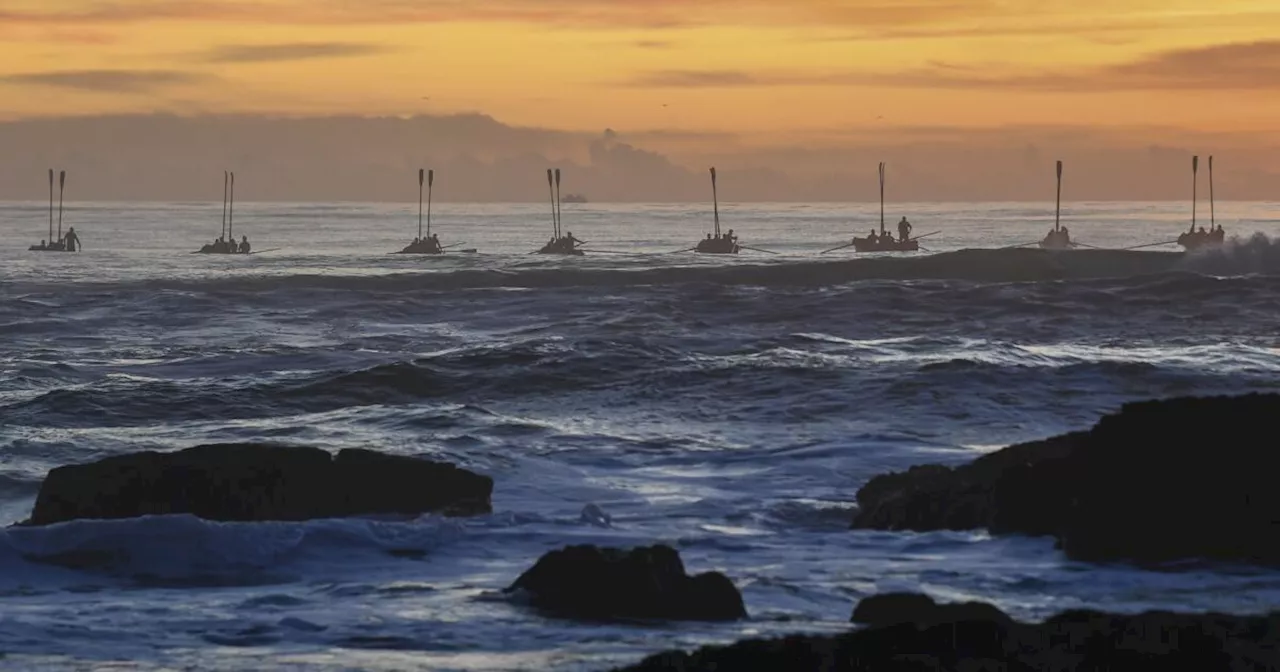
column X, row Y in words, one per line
column 729, row 406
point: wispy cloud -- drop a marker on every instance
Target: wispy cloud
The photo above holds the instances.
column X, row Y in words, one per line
column 272, row 53
column 1253, row 66
column 113, row 81
column 1235, row 67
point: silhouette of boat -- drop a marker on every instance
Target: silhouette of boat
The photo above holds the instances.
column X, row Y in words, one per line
column 561, row 243
column 719, row 244
column 1199, row 240
column 58, row 244
column 226, row 242
column 430, row 243
column 885, row 244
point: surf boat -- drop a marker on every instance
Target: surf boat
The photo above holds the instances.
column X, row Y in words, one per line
column 717, row 246
column 885, row 244
column 1199, row 240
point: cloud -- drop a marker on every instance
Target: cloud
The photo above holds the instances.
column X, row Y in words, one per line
column 1235, row 67
column 653, row 44
column 274, row 53
column 1252, row 66
column 113, row 81
column 696, row 79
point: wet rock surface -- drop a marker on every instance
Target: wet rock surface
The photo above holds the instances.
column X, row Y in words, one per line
column 1156, row 482
column 258, row 482
column 596, row 583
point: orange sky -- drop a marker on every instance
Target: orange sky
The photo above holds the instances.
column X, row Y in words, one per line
column 779, row 69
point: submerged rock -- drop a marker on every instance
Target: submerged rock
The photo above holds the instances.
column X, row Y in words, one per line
column 1158, row 481
column 988, row 639
column 590, row 582
column 256, row 482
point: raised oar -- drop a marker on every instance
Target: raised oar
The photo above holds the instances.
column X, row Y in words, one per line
column 431, row 178
column 1057, row 209
column 1195, row 164
column 1211, row 217
column 62, row 187
column 715, row 201
column 223, row 231
column 50, row 207
column 231, row 209
column 555, row 224
column 882, row 198
column 559, row 217
column 421, row 179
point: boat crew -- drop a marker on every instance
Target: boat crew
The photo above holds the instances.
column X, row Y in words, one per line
column 904, row 230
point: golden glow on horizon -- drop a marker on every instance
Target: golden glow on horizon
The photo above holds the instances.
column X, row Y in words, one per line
column 745, row 66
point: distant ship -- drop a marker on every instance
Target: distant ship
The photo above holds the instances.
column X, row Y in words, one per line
column 574, row 198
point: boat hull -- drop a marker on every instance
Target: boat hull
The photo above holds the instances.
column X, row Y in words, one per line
column 867, row 245
column 1199, row 241
column 716, row 247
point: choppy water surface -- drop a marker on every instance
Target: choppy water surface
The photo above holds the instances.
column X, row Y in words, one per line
column 731, row 407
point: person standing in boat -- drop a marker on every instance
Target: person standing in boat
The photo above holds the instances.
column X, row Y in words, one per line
column 904, row 229
column 71, row 242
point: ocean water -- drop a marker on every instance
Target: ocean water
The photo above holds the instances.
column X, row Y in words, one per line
column 728, row 406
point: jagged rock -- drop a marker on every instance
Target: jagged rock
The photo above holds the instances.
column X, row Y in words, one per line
column 1158, row 481
column 990, row 640
column 254, row 482
column 590, row 582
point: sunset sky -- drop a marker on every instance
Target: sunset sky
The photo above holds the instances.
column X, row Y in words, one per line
column 801, row 73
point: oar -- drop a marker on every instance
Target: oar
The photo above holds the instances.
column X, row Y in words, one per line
column 632, row 254
column 62, row 186
column 1057, row 210
column 756, row 249
column 841, row 247
column 421, row 178
column 223, row 231
column 687, row 249
column 559, row 218
column 1010, row 247
column 932, row 233
column 715, row 201
column 431, row 179
column 231, row 209
column 1211, row 217
column 1092, row 247
column 1195, row 164
column 555, row 223
column 274, row 249
column 445, row 247
column 1138, row 247
column 882, row 198
column 51, row 207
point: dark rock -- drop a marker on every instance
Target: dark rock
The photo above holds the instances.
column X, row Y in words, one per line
column 249, row 482
column 1158, row 481
column 1079, row 640
column 895, row 608
column 590, row 582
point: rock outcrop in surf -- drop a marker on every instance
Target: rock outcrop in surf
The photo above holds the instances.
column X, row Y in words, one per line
column 258, row 482
column 1159, row 481
column 937, row 638
column 595, row 583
